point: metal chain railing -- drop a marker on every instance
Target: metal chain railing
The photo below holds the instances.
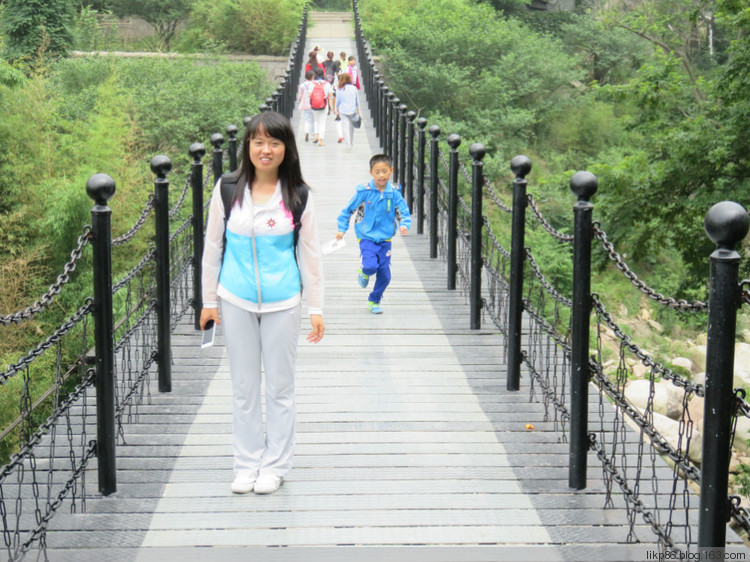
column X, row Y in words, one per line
column 545, row 223
column 677, row 304
column 46, row 299
column 644, row 357
column 178, row 205
column 130, row 234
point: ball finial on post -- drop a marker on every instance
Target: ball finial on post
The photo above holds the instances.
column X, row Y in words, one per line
column 161, row 165
column 520, row 166
column 477, row 151
column 101, row 188
column 727, row 224
column 197, row 151
column 584, row 185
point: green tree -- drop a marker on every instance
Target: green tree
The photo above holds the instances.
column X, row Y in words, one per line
column 694, row 151
column 261, row 27
column 164, row 15
column 37, row 27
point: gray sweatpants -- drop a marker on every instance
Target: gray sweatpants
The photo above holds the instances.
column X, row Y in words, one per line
column 273, row 337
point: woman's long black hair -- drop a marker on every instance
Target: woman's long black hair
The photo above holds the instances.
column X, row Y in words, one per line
column 290, row 173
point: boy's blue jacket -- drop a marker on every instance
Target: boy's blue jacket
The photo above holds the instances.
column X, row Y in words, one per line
column 377, row 215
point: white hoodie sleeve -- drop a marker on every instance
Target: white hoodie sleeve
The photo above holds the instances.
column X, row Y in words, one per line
column 213, row 248
column 311, row 259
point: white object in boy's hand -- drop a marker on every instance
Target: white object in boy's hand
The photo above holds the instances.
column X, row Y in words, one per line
column 333, row 245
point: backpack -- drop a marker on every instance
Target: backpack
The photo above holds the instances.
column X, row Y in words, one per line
column 318, row 96
column 229, row 186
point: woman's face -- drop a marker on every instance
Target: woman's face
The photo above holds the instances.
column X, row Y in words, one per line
column 266, row 152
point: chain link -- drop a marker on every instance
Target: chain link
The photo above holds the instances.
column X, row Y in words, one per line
column 547, row 226
column 745, row 291
column 133, row 272
column 566, row 302
column 630, row 497
column 646, row 359
column 176, row 209
column 18, row 317
column 138, row 224
column 26, row 360
column 680, row 304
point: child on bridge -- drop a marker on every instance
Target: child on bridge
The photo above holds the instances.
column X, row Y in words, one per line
column 378, row 209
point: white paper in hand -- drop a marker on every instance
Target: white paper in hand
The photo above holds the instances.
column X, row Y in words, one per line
column 332, row 245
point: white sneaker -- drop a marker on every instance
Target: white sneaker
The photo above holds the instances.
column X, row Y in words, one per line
column 243, row 484
column 267, row 484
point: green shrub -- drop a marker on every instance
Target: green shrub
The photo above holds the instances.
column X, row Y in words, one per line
column 260, row 27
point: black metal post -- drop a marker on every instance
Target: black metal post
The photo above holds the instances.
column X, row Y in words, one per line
column 584, row 185
column 217, row 139
column 477, row 152
column 402, row 148
column 262, row 108
column 434, row 179
column 409, row 164
column 454, row 141
column 232, row 146
column 197, row 152
column 375, row 101
column 521, row 166
column 387, row 128
column 421, row 142
column 726, row 224
column 396, row 140
column 381, row 111
column 101, row 188
column 161, row 165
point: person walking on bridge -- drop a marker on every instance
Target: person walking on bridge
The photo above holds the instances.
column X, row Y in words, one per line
column 347, row 106
column 379, row 210
column 261, row 246
column 303, row 104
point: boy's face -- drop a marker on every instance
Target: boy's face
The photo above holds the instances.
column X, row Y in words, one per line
column 381, row 172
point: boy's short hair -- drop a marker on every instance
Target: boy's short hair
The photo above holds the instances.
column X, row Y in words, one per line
column 378, row 158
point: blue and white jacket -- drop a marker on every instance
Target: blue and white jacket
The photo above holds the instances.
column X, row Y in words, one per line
column 377, row 214
column 259, row 272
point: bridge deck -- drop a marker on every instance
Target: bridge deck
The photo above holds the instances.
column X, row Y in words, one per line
column 406, row 435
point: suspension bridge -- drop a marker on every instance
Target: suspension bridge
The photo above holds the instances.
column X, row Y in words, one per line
column 410, row 443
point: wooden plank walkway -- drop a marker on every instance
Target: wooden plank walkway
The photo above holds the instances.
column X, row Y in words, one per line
column 409, row 446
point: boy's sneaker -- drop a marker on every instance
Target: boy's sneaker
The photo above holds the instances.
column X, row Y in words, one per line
column 374, row 307
column 363, row 279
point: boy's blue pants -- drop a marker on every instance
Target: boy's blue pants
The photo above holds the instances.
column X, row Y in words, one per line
column 376, row 259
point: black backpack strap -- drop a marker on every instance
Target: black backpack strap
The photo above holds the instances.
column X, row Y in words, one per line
column 303, row 192
column 228, row 187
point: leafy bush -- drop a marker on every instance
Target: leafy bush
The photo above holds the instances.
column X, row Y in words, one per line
column 175, row 102
column 494, row 75
column 260, row 27
column 33, row 27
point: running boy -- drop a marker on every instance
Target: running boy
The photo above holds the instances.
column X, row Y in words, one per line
column 378, row 208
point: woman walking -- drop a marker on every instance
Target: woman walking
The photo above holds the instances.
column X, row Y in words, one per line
column 260, row 248
column 319, row 103
column 303, row 104
column 347, row 106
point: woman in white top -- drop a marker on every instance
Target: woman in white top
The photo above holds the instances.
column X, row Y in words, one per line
column 303, row 104
column 347, row 105
column 255, row 260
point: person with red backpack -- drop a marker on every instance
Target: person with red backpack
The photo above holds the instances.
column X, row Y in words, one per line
column 321, row 93
column 303, row 104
